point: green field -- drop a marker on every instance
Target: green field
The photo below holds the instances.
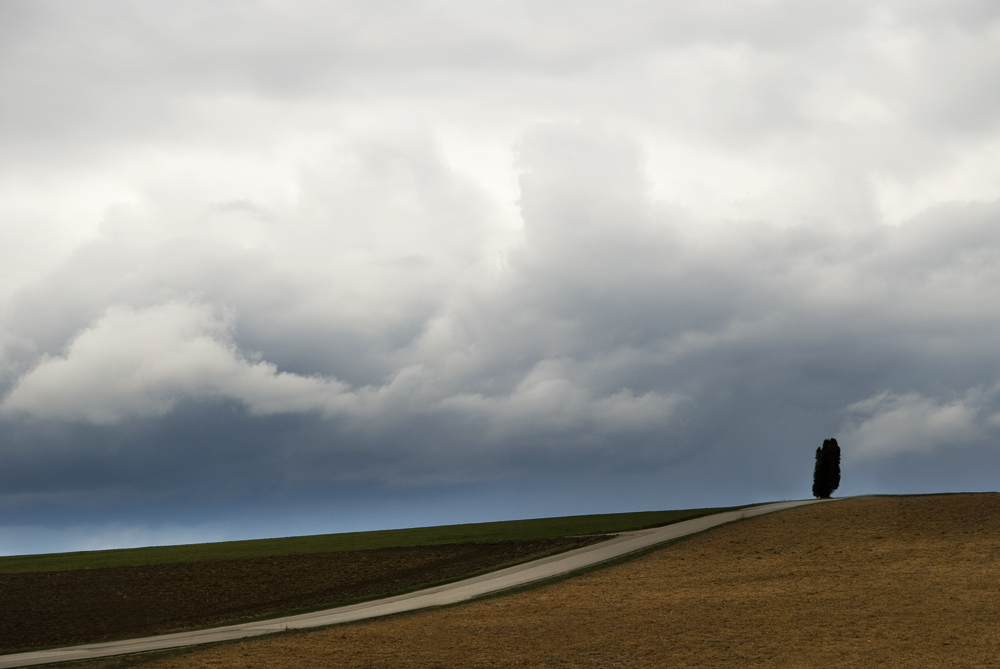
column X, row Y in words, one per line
column 536, row 528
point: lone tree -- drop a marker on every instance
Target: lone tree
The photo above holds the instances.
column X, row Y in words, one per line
column 826, row 476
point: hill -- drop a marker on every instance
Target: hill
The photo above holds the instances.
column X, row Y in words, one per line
column 879, row 581
column 75, row 598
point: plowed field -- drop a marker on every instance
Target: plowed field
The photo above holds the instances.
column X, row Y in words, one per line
column 876, row 582
column 57, row 608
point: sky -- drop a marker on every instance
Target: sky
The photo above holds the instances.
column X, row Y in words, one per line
column 277, row 268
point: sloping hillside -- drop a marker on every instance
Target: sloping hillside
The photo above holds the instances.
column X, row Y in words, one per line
column 883, row 581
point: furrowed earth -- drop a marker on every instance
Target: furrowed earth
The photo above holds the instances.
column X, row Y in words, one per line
column 57, row 608
column 868, row 582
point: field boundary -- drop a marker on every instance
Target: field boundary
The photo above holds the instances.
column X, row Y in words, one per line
column 503, row 530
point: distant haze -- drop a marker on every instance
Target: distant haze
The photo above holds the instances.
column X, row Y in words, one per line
column 303, row 267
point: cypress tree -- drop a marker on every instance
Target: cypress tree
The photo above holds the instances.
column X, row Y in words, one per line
column 826, row 475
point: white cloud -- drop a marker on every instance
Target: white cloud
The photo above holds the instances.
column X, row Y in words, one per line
column 971, row 173
column 888, row 424
column 139, row 363
column 547, row 400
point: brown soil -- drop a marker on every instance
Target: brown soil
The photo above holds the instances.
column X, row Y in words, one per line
column 877, row 582
column 68, row 607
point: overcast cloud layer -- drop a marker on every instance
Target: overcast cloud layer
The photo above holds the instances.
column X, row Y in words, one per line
column 276, row 268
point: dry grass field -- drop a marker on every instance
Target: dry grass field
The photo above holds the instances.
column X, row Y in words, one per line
column 873, row 582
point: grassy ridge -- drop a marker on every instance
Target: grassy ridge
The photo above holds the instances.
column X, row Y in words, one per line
column 535, row 528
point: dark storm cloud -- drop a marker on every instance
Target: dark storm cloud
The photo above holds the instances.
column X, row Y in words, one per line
column 272, row 262
column 606, row 318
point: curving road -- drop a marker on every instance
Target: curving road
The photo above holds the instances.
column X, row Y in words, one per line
column 460, row 591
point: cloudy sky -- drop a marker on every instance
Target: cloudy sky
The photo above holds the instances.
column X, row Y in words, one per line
column 273, row 268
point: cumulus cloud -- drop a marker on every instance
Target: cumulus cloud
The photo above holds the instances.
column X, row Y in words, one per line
column 888, row 424
column 612, row 315
column 141, row 363
column 546, row 400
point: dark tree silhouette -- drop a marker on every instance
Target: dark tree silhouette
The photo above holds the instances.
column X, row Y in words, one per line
column 826, row 475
